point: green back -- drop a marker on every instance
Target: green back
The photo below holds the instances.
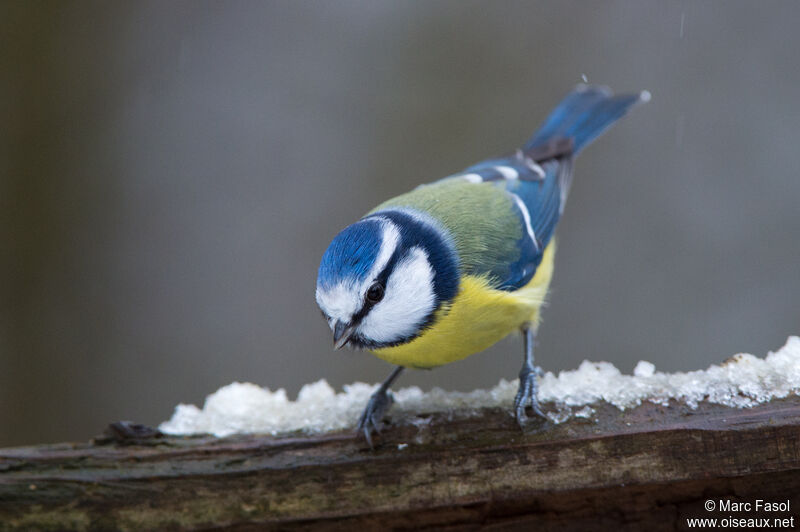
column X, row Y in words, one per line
column 480, row 218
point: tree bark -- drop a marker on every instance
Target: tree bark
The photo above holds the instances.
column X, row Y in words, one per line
column 649, row 467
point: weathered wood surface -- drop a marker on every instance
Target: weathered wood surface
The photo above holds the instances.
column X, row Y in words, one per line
column 646, row 468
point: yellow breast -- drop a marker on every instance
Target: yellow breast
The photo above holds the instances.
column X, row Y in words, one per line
column 478, row 317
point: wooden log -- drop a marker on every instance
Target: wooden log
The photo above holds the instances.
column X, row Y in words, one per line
column 650, row 467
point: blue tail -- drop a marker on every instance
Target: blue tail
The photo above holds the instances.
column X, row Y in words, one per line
column 538, row 177
column 582, row 116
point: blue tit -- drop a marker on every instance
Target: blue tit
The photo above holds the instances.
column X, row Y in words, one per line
column 450, row 268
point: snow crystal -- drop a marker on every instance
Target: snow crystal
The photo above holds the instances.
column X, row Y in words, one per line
column 585, row 412
column 644, row 369
column 741, row 381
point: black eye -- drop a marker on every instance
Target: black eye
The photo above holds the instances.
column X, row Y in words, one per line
column 375, row 293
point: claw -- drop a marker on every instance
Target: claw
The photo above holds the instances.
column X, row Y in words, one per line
column 370, row 420
column 526, row 394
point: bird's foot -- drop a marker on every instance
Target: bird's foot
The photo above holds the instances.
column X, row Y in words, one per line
column 526, row 395
column 370, row 420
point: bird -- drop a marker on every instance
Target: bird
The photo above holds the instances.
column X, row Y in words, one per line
column 448, row 269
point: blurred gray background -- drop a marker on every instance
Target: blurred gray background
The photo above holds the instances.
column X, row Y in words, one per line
column 171, row 173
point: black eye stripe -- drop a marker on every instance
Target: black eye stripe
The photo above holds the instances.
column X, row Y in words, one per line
column 381, row 280
column 389, row 268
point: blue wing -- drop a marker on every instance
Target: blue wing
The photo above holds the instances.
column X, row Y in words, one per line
column 538, row 176
column 538, row 191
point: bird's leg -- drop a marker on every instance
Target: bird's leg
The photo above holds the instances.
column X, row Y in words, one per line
column 527, row 381
column 378, row 404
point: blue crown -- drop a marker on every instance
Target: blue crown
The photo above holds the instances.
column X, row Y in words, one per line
column 351, row 254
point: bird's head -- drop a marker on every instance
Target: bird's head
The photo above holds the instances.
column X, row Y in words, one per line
column 382, row 279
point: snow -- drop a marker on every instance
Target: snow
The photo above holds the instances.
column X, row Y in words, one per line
column 742, row 381
column 644, row 369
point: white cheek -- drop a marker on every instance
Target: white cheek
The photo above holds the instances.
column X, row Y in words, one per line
column 407, row 302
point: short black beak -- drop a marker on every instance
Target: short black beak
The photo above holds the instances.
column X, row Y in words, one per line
column 341, row 334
